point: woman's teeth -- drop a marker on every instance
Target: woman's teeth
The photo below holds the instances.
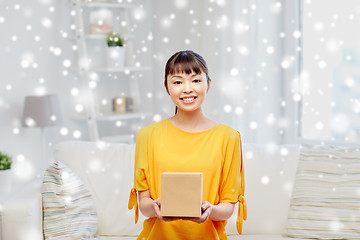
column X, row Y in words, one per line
column 188, row 99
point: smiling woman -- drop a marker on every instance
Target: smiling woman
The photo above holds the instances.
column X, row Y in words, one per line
column 189, row 142
column 188, row 70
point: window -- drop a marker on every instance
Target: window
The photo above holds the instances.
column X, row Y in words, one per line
column 330, row 75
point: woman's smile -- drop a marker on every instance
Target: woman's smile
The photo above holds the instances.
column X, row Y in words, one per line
column 188, row 100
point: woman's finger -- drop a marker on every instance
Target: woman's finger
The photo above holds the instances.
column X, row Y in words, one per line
column 157, row 206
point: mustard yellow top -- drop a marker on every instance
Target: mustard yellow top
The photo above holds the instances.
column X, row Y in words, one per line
column 216, row 152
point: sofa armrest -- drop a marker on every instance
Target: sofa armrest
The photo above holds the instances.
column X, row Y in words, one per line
column 21, row 214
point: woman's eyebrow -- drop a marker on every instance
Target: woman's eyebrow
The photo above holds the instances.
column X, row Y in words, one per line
column 195, row 74
column 176, row 76
column 179, row 76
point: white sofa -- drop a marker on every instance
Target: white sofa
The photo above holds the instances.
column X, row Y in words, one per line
column 107, row 169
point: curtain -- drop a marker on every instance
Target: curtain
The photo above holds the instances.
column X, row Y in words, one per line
column 242, row 42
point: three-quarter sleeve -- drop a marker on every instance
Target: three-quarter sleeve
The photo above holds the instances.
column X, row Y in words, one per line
column 232, row 186
column 140, row 171
column 141, row 162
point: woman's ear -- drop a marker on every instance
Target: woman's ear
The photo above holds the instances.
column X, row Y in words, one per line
column 209, row 83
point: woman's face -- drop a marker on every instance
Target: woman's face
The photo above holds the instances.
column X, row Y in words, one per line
column 187, row 91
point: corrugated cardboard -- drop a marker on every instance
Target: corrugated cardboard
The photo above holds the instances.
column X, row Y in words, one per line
column 181, row 194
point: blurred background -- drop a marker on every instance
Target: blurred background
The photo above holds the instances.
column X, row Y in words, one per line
column 283, row 71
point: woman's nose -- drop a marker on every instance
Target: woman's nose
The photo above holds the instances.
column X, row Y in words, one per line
column 187, row 87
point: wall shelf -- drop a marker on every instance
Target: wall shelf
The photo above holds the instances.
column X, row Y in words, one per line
column 112, row 70
column 128, row 87
column 115, row 117
column 98, row 37
column 106, row 5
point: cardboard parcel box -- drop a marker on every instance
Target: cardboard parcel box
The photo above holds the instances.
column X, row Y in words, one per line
column 181, row 194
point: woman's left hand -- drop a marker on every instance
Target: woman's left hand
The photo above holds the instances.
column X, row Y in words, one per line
column 206, row 208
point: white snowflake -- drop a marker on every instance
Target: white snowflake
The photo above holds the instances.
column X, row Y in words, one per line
column 297, row 97
column 285, row 63
column 77, row 134
column 40, row 91
column 319, row 126
column 270, row 119
column 297, row 34
column 66, row 63
column 79, row 108
column 46, row 22
column 253, row 125
column 92, row 84
column 234, row 72
column 181, row 4
column 16, row 131
column 284, row 151
column 227, row 108
column 322, row 64
column 265, row 180
column 270, row 49
column 249, row 154
column 74, row 91
column 166, row 22
column 139, row 13
column 23, row 169
column 239, row 111
column 64, row 131
column 243, row 50
column 157, row 118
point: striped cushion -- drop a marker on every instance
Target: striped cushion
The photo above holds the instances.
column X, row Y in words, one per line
column 325, row 201
column 68, row 207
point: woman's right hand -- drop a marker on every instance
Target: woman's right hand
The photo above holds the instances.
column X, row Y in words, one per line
column 157, row 207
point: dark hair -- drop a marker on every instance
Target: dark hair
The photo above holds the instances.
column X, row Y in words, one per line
column 186, row 62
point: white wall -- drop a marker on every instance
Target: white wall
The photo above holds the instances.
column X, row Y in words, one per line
column 30, row 32
column 234, row 37
column 29, row 65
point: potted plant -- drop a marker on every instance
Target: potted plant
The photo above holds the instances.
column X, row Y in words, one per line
column 5, row 172
column 115, row 50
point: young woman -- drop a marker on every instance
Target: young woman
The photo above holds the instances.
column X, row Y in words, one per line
column 189, row 142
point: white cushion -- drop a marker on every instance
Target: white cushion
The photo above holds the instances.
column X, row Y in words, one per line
column 19, row 219
column 325, row 202
column 68, row 208
column 21, row 213
column 231, row 237
column 260, row 237
column 108, row 170
column 267, row 202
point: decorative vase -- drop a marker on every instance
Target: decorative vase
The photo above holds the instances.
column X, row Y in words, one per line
column 6, row 180
column 122, row 105
column 119, row 105
column 101, row 21
column 116, row 57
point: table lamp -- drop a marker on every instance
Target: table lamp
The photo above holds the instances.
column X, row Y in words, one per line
column 42, row 111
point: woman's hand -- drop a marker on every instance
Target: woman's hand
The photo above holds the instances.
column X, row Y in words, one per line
column 219, row 212
column 151, row 208
column 206, row 211
column 157, row 207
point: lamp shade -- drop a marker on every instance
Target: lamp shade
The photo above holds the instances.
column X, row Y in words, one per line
column 41, row 111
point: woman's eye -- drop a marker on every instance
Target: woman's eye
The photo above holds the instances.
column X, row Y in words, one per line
column 177, row 82
column 197, row 80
